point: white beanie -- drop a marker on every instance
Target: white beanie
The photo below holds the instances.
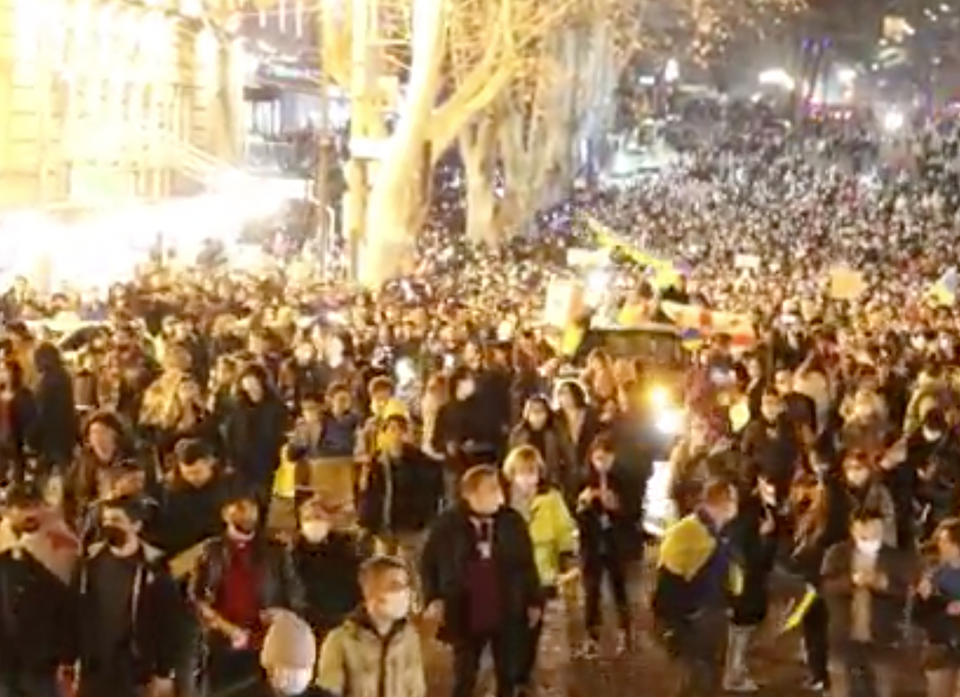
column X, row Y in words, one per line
column 289, row 643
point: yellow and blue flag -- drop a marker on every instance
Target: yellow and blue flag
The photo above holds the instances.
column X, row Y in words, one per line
column 944, row 290
column 800, row 610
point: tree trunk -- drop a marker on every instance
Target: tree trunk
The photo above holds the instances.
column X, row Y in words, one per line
column 394, row 204
column 476, row 149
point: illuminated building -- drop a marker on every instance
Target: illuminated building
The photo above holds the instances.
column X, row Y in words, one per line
column 113, row 100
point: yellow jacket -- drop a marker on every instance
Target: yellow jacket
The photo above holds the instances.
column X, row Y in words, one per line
column 553, row 532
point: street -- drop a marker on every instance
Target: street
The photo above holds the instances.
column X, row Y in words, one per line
column 646, row 671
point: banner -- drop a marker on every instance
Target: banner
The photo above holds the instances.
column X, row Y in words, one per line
column 711, row 322
column 846, row 284
column 666, row 273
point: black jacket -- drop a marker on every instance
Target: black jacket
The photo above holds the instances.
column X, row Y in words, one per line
column 280, row 586
column 190, row 515
column 37, row 611
column 157, row 613
column 401, row 495
column 330, row 571
column 622, row 539
column 255, row 434
column 56, row 430
column 443, row 567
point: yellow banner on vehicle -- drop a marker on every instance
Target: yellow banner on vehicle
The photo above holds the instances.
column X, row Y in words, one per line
column 665, row 271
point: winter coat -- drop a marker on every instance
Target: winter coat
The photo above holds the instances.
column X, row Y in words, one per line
column 446, row 560
column 157, row 614
column 356, row 661
column 400, row 496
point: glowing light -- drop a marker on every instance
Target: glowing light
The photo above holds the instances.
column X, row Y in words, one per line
column 846, row 76
column 405, row 372
column 777, row 77
column 660, row 396
column 670, row 422
column 671, row 71
column 598, row 281
column 893, row 121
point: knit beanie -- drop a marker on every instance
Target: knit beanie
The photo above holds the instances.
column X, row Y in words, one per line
column 289, row 643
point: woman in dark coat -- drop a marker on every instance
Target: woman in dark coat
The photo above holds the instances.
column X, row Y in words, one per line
column 256, row 429
column 18, row 418
column 57, row 429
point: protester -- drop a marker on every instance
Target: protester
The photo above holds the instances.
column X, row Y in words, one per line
column 693, row 578
column 36, row 606
column 865, row 584
column 480, row 582
column 802, row 317
column 327, row 559
column 241, row 579
column 377, row 652
column 553, row 533
column 129, row 610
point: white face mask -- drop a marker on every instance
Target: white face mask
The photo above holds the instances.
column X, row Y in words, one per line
column 315, row 530
column 396, row 605
column 290, row 681
column 869, row 547
column 931, row 435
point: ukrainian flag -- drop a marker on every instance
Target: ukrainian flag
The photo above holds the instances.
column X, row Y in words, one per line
column 691, row 338
column 944, row 291
column 800, row 610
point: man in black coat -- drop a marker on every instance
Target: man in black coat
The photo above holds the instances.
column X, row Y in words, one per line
column 480, row 581
column 131, row 612
column 36, row 608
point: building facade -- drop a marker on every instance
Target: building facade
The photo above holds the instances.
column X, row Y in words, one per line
column 113, row 100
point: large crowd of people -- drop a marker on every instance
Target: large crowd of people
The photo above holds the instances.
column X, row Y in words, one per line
column 448, row 482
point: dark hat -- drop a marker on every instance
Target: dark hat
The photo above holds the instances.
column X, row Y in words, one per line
column 239, row 491
column 190, row 450
column 135, row 507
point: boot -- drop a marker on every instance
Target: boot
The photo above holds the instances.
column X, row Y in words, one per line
column 736, row 677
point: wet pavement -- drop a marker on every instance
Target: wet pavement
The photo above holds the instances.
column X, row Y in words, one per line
column 775, row 660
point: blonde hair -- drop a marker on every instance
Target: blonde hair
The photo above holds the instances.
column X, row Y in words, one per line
column 523, row 457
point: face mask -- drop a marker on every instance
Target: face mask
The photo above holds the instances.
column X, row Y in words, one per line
column 114, row 536
column 241, row 531
column 316, row 530
column 869, row 547
column 537, row 419
column 770, row 415
column 290, row 681
column 27, row 527
column 931, row 436
column 396, row 605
